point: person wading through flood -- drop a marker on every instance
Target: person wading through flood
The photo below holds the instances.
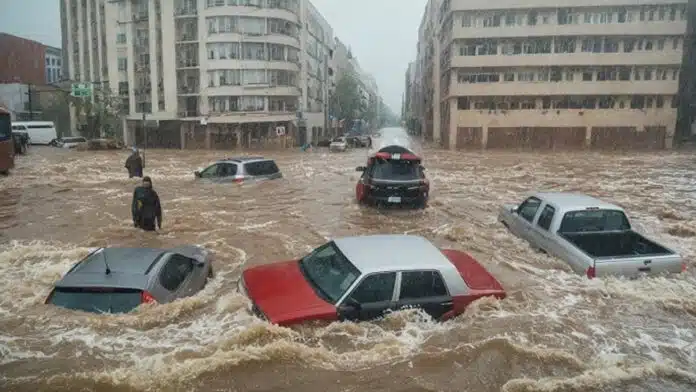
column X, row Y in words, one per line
column 135, row 164
column 146, row 207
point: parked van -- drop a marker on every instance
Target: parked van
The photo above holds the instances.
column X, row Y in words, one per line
column 40, row 132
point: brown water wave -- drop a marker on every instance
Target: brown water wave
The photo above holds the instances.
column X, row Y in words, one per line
column 555, row 332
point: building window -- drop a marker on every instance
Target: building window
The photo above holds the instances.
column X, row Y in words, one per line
column 121, row 38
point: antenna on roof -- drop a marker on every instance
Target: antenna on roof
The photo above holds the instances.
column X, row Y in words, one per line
column 108, row 270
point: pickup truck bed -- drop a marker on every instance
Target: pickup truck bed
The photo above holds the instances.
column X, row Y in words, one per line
column 615, row 244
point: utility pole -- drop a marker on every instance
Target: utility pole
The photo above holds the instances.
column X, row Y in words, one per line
column 31, row 102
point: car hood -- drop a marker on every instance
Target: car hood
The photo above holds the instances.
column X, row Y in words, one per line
column 284, row 296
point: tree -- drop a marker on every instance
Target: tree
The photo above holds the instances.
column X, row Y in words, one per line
column 345, row 102
column 98, row 116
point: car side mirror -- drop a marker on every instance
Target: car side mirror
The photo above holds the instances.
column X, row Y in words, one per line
column 513, row 210
column 360, row 168
column 422, row 167
column 197, row 174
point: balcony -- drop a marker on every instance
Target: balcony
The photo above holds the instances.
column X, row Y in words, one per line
column 632, row 87
column 188, row 82
column 569, row 59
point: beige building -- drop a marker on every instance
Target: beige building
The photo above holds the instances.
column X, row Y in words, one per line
column 564, row 74
column 220, row 73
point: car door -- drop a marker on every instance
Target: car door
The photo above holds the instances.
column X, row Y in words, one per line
column 175, row 276
column 371, row 298
column 226, row 172
column 524, row 216
column 542, row 235
column 425, row 290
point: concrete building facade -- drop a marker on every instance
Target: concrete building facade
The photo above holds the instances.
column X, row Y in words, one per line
column 565, row 74
column 54, row 65
column 224, row 72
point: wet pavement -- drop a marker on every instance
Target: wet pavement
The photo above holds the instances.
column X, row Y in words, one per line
column 555, row 332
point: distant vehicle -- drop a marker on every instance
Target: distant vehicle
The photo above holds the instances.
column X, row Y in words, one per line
column 394, row 175
column 362, row 278
column 241, row 169
column 7, row 146
column 40, row 132
column 594, row 237
column 339, row 144
column 118, row 280
column 70, row 142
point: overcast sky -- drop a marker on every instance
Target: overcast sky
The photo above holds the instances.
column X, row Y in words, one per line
column 381, row 33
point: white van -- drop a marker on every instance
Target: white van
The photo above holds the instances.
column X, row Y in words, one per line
column 40, row 132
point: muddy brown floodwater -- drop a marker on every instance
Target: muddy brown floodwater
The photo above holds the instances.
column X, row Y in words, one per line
column 555, row 332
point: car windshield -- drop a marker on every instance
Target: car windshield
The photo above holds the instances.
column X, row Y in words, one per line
column 338, row 140
column 329, row 272
column 96, row 300
column 594, row 220
column 401, row 170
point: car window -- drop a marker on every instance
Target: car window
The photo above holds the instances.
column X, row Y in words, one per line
column 422, row 284
column 263, row 168
column 594, row 220
column 227, row 170
column 19, row 128
column 329, row 272
column 5, row 132
column 529, row 208
column 404, row 170
column 210, row 171
column 375, row 288
column 546, row 217
column 175, row 272
column 96, row 300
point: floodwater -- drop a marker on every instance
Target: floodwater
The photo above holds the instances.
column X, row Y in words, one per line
column 555, row 332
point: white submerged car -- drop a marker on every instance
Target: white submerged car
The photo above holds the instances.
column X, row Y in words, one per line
column 339, row 144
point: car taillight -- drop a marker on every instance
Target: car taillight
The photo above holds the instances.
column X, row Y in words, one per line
column 683, row 266
column 147, row 298
column 591, row 273
column 238, row 180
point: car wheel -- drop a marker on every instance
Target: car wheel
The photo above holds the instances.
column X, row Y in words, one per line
column 4, row 172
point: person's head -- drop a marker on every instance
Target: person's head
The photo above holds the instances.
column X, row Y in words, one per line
column 147, row 182
column 135, row 150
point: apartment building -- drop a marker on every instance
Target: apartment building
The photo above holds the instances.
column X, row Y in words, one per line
column 427, row 77
column 601, row 74
column 54, row 65
column 205, row 73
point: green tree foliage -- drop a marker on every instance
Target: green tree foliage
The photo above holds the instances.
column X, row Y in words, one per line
column 345, row 102
column 98, row 116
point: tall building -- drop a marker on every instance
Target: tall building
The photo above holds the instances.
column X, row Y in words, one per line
column 54, row 65
column 599, row 74
column 237, row 67
column 21, row 60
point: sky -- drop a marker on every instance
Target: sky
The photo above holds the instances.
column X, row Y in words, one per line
column 381, row 33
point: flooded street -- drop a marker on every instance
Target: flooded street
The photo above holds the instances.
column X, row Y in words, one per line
column 556, row 331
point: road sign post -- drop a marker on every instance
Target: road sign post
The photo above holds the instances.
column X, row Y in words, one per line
column 81, row 90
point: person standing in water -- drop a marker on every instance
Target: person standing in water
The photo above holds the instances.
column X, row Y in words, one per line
column 135, row 164
column 146, row 207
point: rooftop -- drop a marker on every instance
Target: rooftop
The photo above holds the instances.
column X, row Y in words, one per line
column 393, row 252
column 572, row 201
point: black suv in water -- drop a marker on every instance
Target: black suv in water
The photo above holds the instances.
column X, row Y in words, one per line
column 393, row 176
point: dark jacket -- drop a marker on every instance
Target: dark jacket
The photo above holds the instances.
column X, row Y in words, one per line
column 146, row 208
column 134, row 164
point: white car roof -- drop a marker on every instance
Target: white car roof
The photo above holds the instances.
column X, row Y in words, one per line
column 392, row 252
column 567, row 201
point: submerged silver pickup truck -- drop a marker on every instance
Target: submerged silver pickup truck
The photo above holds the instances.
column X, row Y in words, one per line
column 594, row 237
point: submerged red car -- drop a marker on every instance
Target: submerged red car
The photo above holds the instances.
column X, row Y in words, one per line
column 362, row 278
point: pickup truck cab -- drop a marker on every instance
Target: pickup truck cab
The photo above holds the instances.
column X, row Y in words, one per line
column 594, row 237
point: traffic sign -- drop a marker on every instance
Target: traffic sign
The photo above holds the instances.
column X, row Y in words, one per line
column 81, row 90
column 280, row 131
